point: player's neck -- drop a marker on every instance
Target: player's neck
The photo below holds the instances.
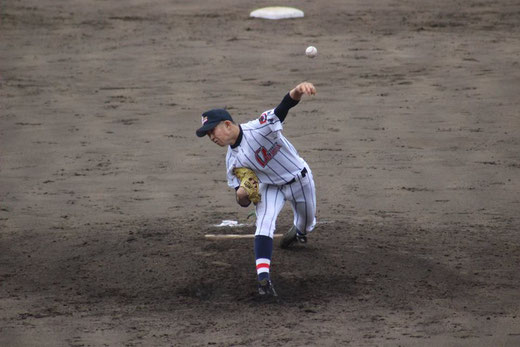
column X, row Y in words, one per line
column 237, row 136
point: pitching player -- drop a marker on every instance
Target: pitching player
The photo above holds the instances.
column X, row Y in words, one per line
column 283, row 175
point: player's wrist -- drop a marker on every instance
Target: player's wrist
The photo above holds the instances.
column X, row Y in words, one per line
column 295, row 94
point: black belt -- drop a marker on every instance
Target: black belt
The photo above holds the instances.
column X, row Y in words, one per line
column 303, row 173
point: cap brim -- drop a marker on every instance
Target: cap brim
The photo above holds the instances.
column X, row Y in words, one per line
column 203, row 131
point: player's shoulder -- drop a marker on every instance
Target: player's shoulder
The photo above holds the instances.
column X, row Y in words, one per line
column 230, row 152
column 266, row 118
column 231, row 157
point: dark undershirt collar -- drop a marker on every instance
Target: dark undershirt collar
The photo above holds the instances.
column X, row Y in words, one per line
column 239, row 139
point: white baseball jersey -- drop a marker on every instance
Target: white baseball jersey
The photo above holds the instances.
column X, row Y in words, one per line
column 265, row 150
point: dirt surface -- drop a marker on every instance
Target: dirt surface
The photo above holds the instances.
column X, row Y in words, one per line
column 106, row 193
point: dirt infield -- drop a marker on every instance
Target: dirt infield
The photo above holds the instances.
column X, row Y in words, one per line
column 106, row 193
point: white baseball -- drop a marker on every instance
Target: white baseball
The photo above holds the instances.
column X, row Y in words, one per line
column 311, row 52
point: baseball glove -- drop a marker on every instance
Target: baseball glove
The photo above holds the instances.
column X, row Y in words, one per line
column 249, row 182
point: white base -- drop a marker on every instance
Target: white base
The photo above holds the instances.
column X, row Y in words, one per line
column 277, row 12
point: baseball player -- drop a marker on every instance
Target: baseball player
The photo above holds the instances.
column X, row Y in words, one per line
column 282, row 174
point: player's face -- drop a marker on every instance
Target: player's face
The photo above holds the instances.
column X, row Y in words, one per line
column 221, row 134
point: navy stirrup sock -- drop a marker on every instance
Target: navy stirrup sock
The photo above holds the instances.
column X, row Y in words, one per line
column 263, row 253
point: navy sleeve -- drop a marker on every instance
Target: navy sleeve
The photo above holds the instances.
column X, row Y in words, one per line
column 281, row 110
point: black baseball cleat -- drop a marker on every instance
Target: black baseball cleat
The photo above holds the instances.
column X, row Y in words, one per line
column 266, row 289
column 291, row 236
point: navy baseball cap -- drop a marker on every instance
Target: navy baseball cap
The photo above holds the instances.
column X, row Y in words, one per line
column 211, row 119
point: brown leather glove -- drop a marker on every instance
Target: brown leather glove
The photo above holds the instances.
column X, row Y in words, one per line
column 249, row 182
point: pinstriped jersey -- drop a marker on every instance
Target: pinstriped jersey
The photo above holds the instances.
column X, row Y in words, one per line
column 266, row 151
